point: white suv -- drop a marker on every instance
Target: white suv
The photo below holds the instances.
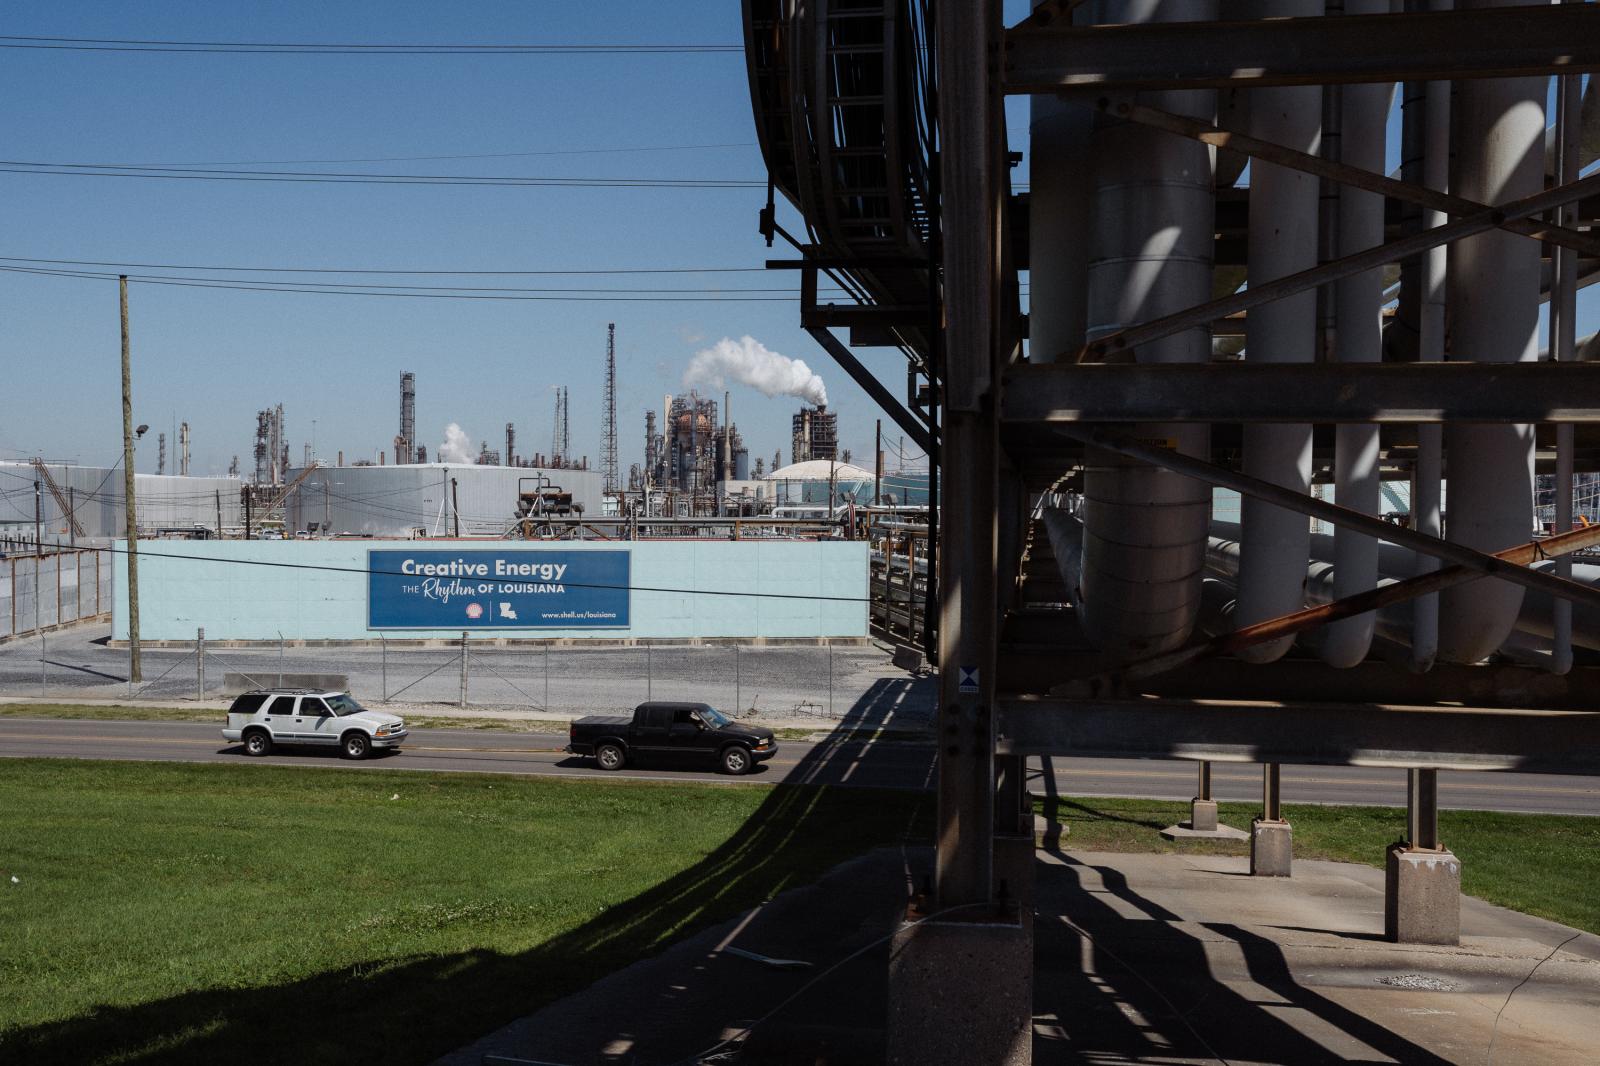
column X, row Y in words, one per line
column 267, row 717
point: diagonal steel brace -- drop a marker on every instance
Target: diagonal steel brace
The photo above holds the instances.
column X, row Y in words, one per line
column 1290, row 500
column 1345, row 174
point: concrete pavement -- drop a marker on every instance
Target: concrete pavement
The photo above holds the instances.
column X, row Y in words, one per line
column 1187, row 959
column 1170, row 959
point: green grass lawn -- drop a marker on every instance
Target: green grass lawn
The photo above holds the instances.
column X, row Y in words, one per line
column 119, row 711
column 250, row 914
column 259, row 914
column 1545, row 865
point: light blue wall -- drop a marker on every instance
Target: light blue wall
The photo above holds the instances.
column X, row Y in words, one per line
column 253, row 590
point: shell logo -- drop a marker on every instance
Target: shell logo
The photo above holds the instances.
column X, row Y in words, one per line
column 474, row 611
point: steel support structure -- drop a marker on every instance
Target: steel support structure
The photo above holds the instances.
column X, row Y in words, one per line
column 1306, row 733
column 972, row 132
column 1389, row 393
column 1460, row 554
column 1422, row 809
column 1488, row 43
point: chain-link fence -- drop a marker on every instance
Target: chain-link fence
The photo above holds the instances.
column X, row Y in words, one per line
column 39, row 592
column 819, row 682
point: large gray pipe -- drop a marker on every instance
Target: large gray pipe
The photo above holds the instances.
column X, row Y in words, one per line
column 1058, row 223
column 1494, row 317
column 1535, row 619
column 1358, row 338
column 1427, row 479
column 1282, row 240
column 1152, row 234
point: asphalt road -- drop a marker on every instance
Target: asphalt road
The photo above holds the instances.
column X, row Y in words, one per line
column 880, row 765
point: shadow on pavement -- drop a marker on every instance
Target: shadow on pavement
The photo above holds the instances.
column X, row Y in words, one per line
column 413, row 1010
column 1119, row 979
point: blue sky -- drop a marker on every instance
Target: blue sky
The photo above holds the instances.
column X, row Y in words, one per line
column 214, row 357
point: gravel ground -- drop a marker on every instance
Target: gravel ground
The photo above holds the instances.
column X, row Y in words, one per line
column 791, row 683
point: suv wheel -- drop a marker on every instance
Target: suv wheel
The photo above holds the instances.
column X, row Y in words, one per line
column 610, row 757
column 735, row 760
column 355, row 745
column 257, row 742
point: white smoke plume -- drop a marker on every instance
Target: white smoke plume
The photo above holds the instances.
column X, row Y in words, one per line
column 457, row 446
column 750, row 362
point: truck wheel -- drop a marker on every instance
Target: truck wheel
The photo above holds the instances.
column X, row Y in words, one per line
column 610, row 756
column 735, row 760
column 257, row 742
column 355, row 745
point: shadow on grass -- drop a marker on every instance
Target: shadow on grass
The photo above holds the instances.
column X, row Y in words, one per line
column 412, row 1010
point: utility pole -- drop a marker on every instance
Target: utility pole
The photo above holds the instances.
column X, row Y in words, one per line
column 219, row 514
column 38, row 565
column 72, row 514
column 247, row 495
column 877, row 452
column 134, row 671
column 455, row 508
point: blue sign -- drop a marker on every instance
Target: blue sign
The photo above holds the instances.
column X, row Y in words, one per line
column 531, row 588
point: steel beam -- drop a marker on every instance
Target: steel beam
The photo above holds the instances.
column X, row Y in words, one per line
column 971, row 133
column 1560, row 546
column 1366, row 180
column 1327, row 734
column 1313, row 392
column 1039, row 669
column 1486, row 43
column 913, row 426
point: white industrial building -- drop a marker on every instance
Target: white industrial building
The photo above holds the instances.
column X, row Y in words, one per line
column 402, row 501
column 94, row 496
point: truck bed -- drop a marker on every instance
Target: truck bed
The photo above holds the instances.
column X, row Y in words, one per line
column 618, row 721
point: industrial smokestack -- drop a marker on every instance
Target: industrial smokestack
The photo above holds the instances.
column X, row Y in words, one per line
column 749, row 362
column 406, row 443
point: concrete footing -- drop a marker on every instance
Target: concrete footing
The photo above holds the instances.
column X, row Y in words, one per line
column 1271, row 848
column 1014, row 874
column 961, row 993
column 1203, row 825
column 1422, row 896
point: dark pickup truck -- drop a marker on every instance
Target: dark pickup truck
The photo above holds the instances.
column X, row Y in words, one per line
column 668, row 731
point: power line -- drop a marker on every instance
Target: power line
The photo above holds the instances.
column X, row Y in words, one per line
column 421, row 292
column 145, row 553
column 124, row 170
column 424, row 288
column 370, row 270
column 686, row 296
column 479, row 155
column 102, row 44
